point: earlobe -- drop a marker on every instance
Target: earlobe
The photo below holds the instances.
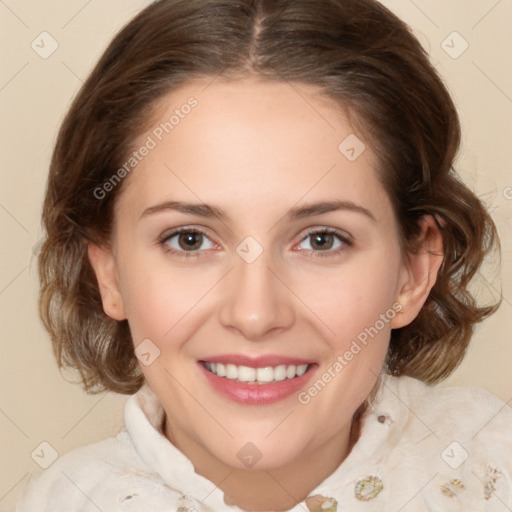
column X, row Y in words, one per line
column 419, row 272
column 103, row 262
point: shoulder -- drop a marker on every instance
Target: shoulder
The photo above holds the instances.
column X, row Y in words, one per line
column 107, row 475
column 447, row 446
column 463, row 411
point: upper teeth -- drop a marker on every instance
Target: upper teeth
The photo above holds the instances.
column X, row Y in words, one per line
column 257, row 375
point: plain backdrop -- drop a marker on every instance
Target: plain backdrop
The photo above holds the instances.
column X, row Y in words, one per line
column 469, row 42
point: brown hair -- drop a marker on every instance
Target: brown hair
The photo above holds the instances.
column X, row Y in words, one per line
column 359, row 54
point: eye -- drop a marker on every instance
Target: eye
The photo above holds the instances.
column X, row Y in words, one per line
column 329, row 241
column 186, row 240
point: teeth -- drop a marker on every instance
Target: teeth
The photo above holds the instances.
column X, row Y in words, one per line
column 280, row 372
column 257, row 375
column 246, row 374
column 265, row 374
column 291, row 371
column 231, row 371
column 301, row 370
column 220, row 370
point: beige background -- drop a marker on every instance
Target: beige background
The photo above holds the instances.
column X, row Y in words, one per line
column 36, row 403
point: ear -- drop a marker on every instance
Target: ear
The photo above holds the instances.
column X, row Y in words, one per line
column 104, row 265
column 419, row 272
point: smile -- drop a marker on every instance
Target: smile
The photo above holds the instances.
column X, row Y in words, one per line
column 262, row 380
column 262, row 375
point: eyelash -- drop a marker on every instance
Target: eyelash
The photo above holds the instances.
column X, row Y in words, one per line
column 328, row 231
column 317, row 254
column 181, row 254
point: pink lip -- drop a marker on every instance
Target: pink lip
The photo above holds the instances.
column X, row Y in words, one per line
column 256, row 362
column 257, row 394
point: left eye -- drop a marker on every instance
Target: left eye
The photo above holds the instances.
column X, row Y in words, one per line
column 188, row 241
column 323, row 241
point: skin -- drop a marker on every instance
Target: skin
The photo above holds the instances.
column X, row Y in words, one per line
column 256, row 150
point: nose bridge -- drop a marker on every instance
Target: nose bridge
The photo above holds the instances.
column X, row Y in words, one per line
column 256, row 302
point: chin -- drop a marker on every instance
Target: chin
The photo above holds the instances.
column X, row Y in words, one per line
column 258, row 453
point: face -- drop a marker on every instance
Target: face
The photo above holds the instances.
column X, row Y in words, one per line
column 246, row 242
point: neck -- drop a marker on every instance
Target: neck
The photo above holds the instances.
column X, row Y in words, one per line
column 276, row 489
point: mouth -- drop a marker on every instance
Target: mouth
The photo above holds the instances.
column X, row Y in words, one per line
column 259, row 381
column 259, row 376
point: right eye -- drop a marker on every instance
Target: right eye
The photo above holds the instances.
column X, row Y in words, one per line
column 186, row 242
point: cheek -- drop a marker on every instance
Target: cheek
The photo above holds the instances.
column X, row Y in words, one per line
column 354, row 295
column 356, row 303
column 158, row 296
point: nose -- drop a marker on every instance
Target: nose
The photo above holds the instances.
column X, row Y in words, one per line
column 257, row 304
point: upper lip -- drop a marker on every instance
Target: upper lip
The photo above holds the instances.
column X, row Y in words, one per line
column 256, row 361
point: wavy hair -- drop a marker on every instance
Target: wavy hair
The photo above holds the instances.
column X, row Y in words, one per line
column 360, row 55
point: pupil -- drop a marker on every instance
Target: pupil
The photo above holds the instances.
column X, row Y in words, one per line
column 190, row 241
column 323, row 241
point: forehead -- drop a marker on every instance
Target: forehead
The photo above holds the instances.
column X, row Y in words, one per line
column 251, row 145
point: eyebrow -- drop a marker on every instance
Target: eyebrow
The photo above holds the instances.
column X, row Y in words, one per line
column 202, row 210
column 299, row 212
column 328, row 206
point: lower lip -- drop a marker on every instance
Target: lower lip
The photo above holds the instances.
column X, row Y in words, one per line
column 257, row 394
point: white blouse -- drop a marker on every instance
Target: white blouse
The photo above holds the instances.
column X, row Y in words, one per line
column 421, row 448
